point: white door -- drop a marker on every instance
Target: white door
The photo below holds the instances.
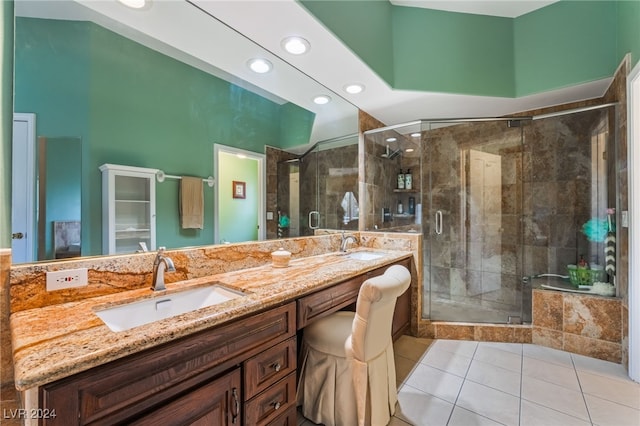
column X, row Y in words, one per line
column 23, row 189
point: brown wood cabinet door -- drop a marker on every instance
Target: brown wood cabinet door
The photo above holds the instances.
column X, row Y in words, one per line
column 216, row 403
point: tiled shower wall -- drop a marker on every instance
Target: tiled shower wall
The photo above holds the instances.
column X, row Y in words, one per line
column 325, row 176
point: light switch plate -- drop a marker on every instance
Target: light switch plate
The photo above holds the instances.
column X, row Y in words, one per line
column 625, row 218
column 269, row 215
column 67, row 278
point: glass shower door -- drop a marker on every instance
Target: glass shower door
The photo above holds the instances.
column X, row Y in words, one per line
column 473, row 243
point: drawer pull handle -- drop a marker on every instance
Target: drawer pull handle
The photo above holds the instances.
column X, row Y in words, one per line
column 276, row 405
column 236, row 403
column 277, row 366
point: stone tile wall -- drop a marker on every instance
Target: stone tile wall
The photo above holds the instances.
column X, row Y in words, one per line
column 9, row 399
column 583, row 324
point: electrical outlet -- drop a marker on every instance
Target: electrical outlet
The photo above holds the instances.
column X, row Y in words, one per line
column 67, row 278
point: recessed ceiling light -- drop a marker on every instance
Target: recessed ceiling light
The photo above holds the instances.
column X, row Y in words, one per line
column 391, row 139
column 322, row 99
column 260, row 65
column 408, row 150
column 415, row 135
column 354, row 88
column 296, row 45
column 134, row 4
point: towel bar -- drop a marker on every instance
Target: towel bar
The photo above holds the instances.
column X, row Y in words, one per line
column 161, row 176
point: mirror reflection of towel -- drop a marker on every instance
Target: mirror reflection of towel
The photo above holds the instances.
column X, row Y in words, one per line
column 350, row 206
column 191, row 203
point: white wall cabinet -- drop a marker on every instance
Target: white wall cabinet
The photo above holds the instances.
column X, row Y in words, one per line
column 128, row 208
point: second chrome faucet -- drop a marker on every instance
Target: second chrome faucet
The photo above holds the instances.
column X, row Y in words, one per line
column 345, row 240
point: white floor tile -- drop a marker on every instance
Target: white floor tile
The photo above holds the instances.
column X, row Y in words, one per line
column 464, row 383
column 547, row 354
column 447, row 361
column 463, row 417
column 491, row 403
column 600, row 367
column 552, row 373
column 495, row 377
column 553, row 396
column 516, row 348
column 532, row 414
column 607, row 413
column 614, row 390
column 435, row 382
column 418, row 408
column 499, row 358
column 459, row 347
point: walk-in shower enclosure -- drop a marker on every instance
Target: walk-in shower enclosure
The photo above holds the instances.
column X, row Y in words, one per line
column 319, row 190
column 497, row 202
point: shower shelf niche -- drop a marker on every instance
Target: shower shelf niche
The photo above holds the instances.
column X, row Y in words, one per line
column 405, row 190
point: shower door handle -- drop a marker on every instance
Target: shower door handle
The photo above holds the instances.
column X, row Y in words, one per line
column 439, row 222
column 317, row 215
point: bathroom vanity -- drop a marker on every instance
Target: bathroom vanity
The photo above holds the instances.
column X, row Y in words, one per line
column 236, row 366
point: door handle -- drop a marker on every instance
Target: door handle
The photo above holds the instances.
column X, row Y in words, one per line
column 439, row 222
column 17, row 236
column 317, row 215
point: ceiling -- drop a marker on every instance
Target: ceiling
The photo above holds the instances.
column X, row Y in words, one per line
column 328, row 66
column 504, row 8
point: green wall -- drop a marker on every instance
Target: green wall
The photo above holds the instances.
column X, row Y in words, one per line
column 63, row 177
column 564, row 44
column 452, row 52
column 134, row 106
column 628, row 21
column 238, row 219
column 364, row 25
column 6, row 125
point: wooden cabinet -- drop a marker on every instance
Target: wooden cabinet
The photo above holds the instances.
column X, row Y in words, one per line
column 128, row 208
column 216, row 403
column 171, row 375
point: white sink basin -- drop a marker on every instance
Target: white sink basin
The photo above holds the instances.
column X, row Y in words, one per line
column 126, row 316
column 364, row 255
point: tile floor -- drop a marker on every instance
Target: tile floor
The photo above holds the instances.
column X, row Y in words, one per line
column 463, row 383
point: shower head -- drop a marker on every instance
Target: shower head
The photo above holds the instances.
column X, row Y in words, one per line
column 394, row 154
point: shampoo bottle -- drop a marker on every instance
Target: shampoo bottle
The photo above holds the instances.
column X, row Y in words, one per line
column 400, row 180
column 400, row 209
column 408, row 180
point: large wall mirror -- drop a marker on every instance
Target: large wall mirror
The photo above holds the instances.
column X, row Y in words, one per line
column 153, row 88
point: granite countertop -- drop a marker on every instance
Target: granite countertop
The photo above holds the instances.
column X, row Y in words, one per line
column 58, row 341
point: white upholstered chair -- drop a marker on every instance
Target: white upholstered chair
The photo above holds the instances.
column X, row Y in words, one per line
column 348, row 373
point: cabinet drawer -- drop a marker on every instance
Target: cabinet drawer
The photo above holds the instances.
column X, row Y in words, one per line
column 268, row 405
column 324, row 302
column 290, row 418
column 265, row 369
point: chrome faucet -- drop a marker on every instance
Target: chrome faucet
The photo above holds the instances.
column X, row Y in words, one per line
column 160, row 264
column 345, row 241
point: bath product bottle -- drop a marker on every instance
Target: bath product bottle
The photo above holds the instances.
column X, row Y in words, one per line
column 400, row 180
column 408, row 180
column 400, row 209
column 412, row 205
